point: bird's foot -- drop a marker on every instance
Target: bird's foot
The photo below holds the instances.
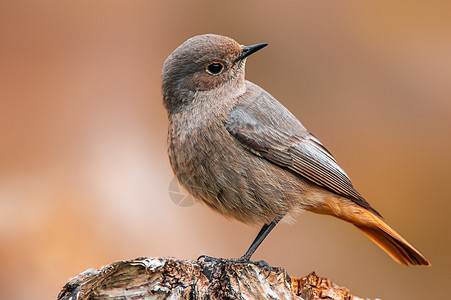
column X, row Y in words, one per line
column 241, row 260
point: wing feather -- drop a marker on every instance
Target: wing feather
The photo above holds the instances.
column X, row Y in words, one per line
column 302, row 154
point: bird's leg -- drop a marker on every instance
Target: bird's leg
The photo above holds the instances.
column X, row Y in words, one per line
column 266, row 229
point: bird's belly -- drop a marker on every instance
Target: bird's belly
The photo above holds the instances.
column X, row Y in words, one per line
column 215, row 168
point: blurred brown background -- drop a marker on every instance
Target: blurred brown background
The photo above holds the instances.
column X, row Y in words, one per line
column 84, row 173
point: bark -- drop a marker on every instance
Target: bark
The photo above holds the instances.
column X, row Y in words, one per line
column 167, row 278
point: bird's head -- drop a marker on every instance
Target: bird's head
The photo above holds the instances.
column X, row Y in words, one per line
column 204, row 63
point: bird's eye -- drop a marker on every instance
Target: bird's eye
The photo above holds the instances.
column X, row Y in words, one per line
column 215, row 68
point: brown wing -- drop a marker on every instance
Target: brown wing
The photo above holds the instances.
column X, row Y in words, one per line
column 302, row 153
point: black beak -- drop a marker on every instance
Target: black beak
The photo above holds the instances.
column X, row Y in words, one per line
column 248, row 50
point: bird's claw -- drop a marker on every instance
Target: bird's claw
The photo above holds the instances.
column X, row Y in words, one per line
column 241, row 260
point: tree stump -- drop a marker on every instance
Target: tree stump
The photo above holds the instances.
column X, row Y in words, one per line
column 167, row 278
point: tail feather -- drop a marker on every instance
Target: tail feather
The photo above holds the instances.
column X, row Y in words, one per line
column 397, row 247
column 388, row 239
column 377, row 230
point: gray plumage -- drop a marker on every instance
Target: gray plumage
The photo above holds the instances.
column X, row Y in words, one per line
column 236, row 148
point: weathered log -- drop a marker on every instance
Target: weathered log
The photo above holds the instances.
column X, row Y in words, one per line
column 167, row 278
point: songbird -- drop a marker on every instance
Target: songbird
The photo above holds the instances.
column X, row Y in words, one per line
column 236, row 148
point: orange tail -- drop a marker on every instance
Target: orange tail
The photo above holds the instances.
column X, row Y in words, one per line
column 380, row 233
column 394, row 244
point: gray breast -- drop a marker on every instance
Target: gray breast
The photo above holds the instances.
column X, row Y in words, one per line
column 218, row 170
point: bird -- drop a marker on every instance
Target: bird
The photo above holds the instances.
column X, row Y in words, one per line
column 238, row 150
